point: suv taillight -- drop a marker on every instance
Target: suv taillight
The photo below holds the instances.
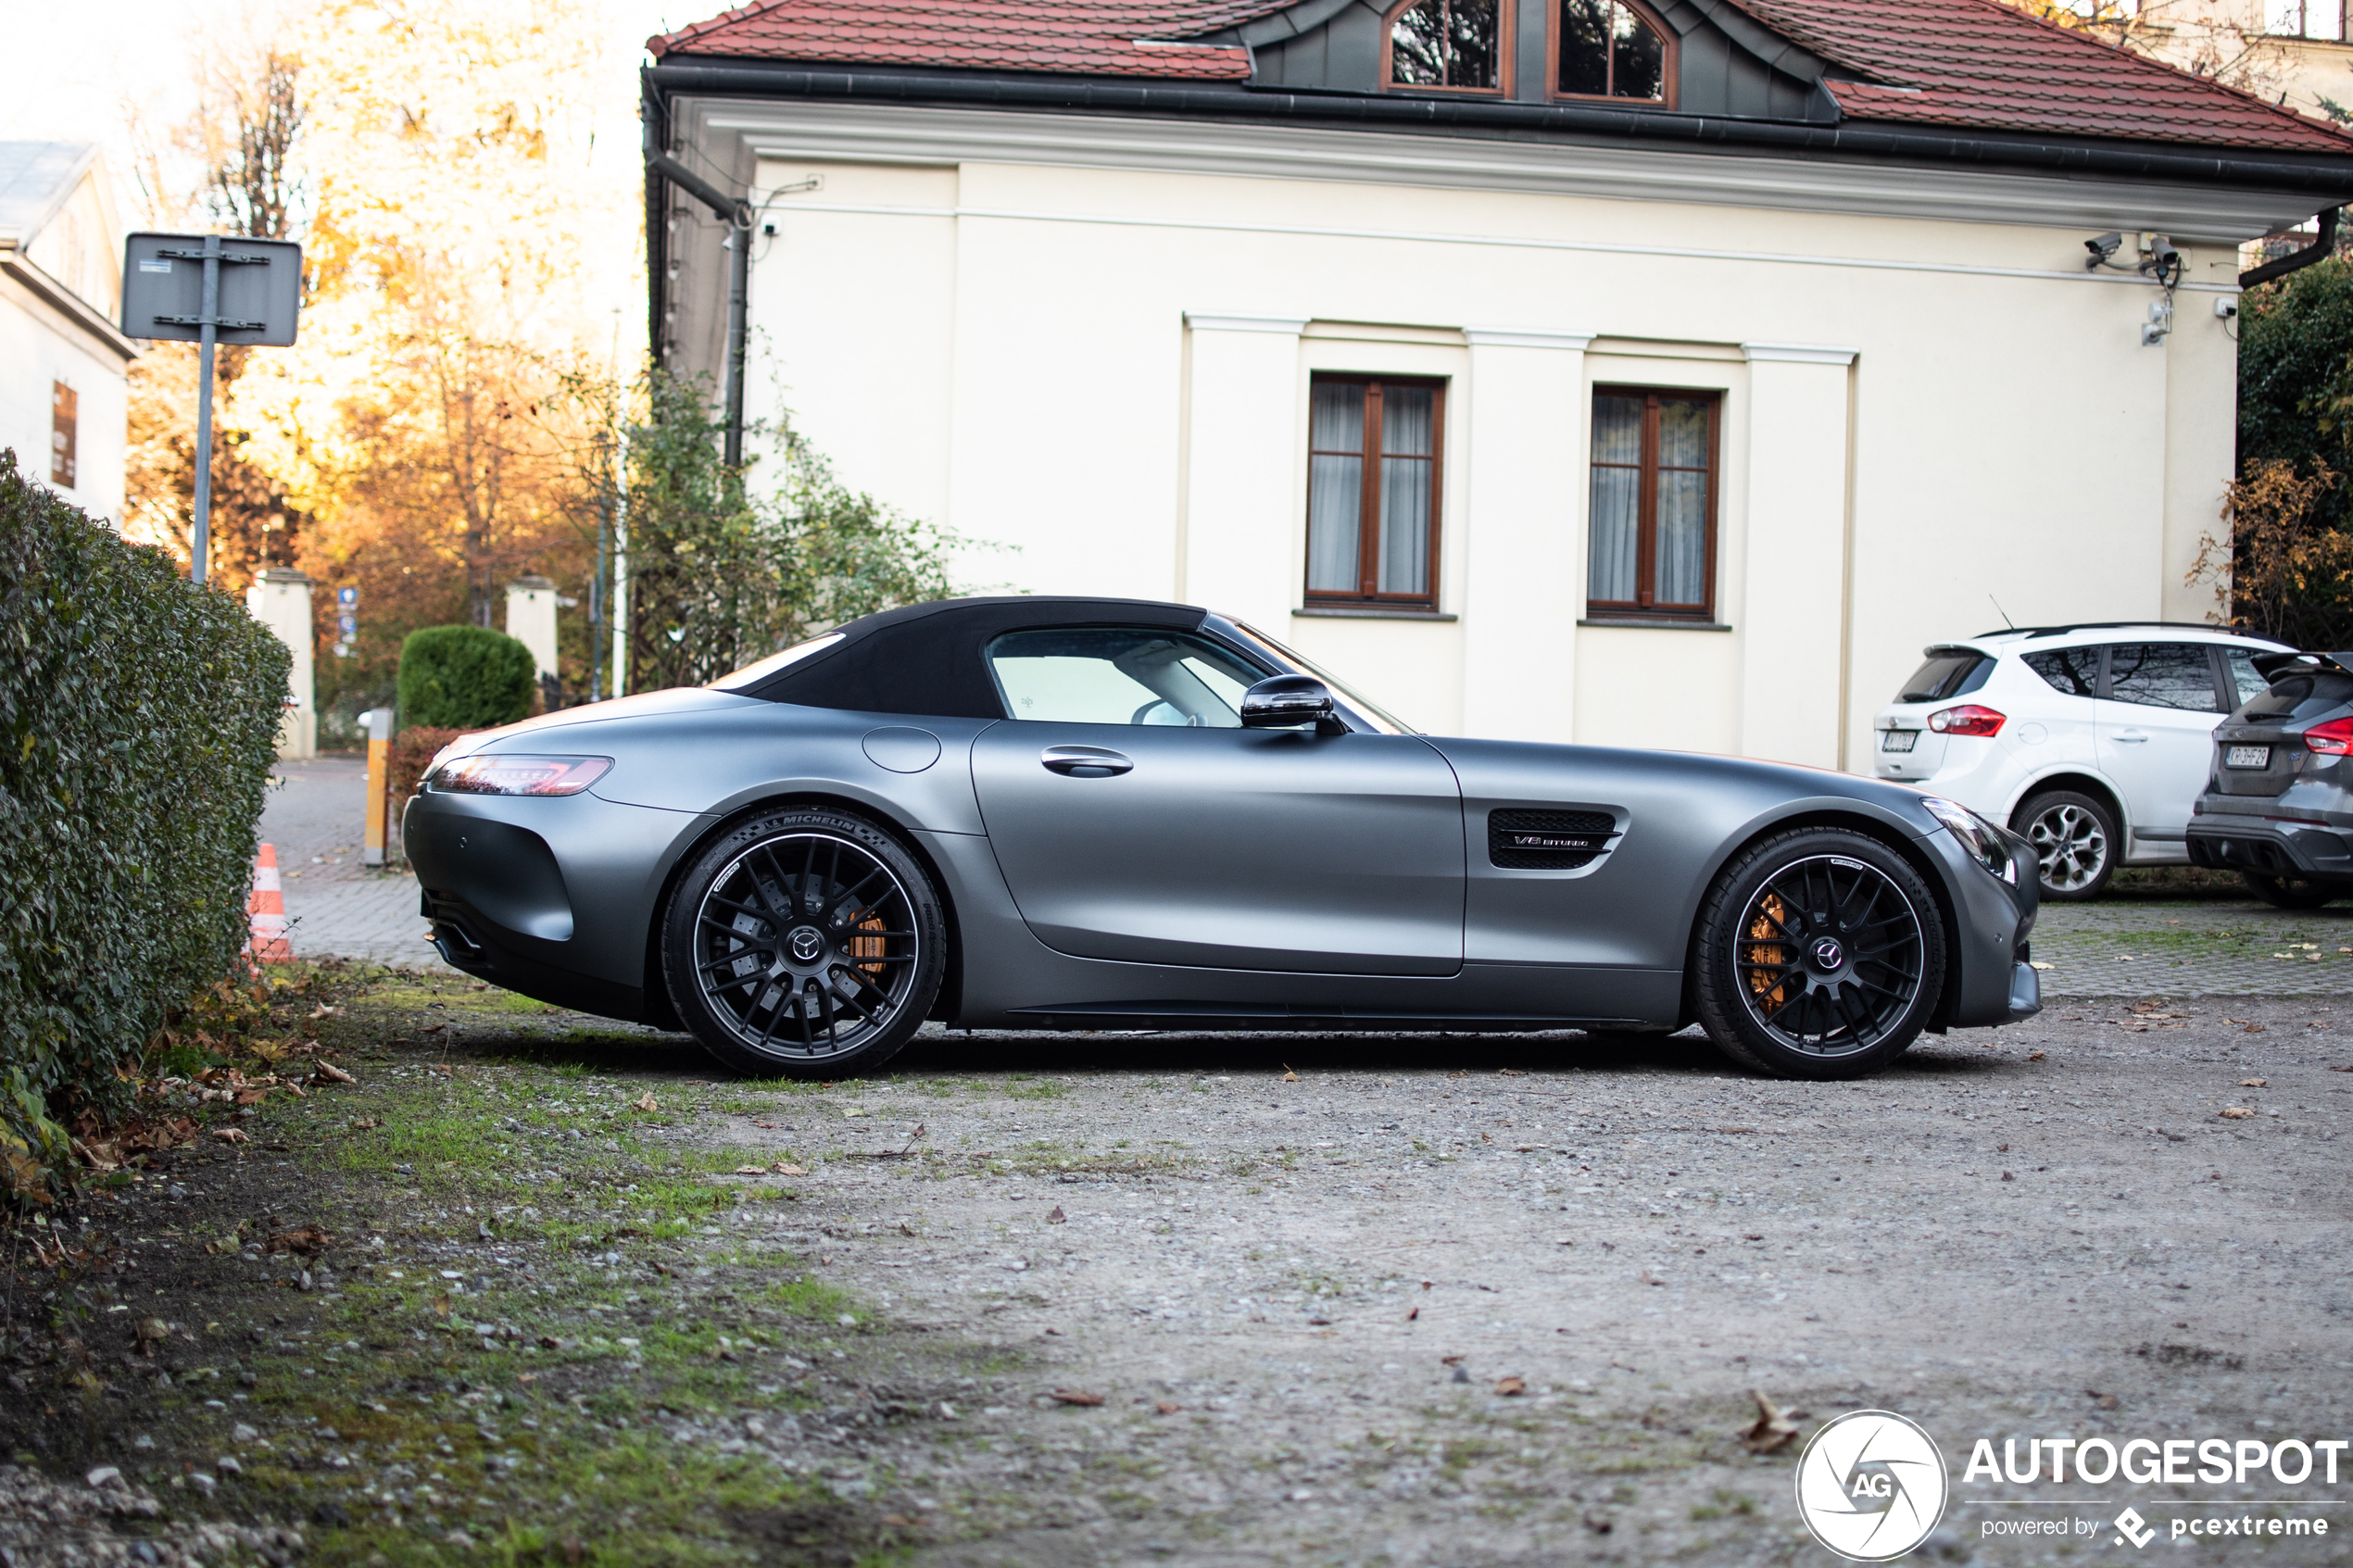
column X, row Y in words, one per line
column 2332, row 739
column 1968, row 719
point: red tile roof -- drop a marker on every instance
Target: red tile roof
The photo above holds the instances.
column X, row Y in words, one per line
column 1081, row 37
column 1981, row 65
column 1968, row 63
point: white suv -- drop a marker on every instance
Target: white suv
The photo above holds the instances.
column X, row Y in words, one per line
column 2091, row 740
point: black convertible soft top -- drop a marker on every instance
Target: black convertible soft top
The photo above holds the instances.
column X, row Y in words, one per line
column 927, row 658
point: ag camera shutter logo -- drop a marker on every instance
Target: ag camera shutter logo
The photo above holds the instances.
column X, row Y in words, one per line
column 1871, row 1486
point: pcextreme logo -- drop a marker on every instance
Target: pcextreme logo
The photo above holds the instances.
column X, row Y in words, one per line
column 1871, row 1486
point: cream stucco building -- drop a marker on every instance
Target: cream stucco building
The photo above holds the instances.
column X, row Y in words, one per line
column 64, row 392
column 1660, row 377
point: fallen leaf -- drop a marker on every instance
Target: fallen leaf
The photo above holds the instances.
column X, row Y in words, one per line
column 1412, row 1315
column 645, row 1102
column 2007, row 1177
column 366, row 1124
column 1510, row 1072
column 1511, row 1386
column 2253, row 1029
column 2348, row 1068
column 432, row 1029
column 2235, row 1113
column 1075, row 1397
column 1057, row 1216
column 252, row 1096
column 1650, row 1278
column 323, row 1011
column 770, row 1125
column 2034, row 1056
column 1772, row 1430
column 441, row 1305
column 231, row 1135
column 2255, row 1083
column 1289, row 1076
column 752, row 1170
column 1450, row 1360
column 2001, row 1148
column 308, row 1240
column 1165, row 1408
column 786, row 1168
column 2105, row 1401
column 328, row 1072
column 901, row 1520
column 548, row 1342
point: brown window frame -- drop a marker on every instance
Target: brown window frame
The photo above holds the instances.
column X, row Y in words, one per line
column 1369, row 501
column 1667, row 71
column 1644, row 605
column 1504, row 24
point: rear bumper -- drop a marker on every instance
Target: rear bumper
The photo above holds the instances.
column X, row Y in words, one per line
column 2271, row 848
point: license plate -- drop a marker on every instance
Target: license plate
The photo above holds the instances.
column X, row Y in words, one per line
column 1898, row 740
column 2247, row 757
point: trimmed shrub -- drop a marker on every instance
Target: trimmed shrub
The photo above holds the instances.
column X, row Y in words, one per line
column 138, row 719
column 412, row 753
column 465, row 678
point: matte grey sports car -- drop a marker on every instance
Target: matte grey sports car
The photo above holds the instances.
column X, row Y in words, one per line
column 1063, row 813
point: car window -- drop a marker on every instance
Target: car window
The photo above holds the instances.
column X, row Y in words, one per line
column 2075, row 671
column 2162, row 675
column 2245, row 681
column 1948, row 673
column 1120, row 675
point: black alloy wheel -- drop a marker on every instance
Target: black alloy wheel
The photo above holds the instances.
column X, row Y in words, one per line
column 2075, row 837
column 1820, row 955
column 2290, row 892
column 805, row 943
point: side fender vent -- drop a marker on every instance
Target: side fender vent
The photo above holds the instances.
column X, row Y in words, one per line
column 1548, row 841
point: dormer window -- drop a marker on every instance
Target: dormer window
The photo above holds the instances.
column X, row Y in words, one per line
column 1448, row 44
column 1610, row 49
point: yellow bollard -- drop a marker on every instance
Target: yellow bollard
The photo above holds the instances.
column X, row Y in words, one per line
column 379, row 722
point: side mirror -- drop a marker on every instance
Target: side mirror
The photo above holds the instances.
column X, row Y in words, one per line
column 1280, row 701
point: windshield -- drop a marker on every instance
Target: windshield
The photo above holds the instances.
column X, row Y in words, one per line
column 1946, row 673
column 1379, row 718
column 759, row 669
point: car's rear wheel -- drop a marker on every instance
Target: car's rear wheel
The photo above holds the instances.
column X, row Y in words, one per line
column 2075, row 837
column 2290, row 892
column 806, row 944
column 1821, row 954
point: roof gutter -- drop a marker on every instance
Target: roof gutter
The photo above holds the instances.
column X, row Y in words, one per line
column 15, row 264
column 2319, row 249
column 2319, row 176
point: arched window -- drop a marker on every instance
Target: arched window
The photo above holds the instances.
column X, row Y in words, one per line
column 1455, row 43
column 1609, row 49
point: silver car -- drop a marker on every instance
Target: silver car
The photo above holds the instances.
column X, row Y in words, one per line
column 1065, row 813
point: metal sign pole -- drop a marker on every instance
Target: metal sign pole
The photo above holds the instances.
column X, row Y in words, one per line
column 208, row 319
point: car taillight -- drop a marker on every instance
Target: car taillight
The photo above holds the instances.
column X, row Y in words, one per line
column 1968, row 719
column 2332, row 739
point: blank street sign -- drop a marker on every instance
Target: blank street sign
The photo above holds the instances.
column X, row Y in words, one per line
column 163, row 289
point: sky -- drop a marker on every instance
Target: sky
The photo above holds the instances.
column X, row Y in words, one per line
column 80, row 65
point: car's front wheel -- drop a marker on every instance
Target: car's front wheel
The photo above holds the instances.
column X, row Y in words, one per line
column 806, row 944
column 1820, row 955
column 2290, row 892
column 2075, row 837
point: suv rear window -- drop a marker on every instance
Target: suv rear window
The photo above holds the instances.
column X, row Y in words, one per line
column 1948, row 673
column 2075, row 671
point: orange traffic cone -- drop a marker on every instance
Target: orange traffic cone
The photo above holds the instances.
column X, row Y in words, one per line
column 267, row 911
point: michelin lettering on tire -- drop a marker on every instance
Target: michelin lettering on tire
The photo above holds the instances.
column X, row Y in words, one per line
column 1871, row 1486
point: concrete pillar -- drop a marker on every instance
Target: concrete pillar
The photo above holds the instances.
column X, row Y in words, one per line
column 1794, row 606
column 531, row 619
column 1242, row 455
column 280, row 599
column 1524, row 547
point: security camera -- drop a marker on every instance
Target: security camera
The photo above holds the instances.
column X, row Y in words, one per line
column 2102, row 248
column 2226, row 307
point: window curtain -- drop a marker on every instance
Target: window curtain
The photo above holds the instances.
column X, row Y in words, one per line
column 1617, row 508
column 1335, row 485
column 1682, row 502
column 1406, row 450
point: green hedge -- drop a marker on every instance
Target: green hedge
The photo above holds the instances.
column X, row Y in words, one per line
column 464, row 678
column 138, row 720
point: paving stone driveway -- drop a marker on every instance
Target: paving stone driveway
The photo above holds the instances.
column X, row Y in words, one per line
column 339, row 908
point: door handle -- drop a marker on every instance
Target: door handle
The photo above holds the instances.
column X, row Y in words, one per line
column 1084, row 761
column 2132, row 737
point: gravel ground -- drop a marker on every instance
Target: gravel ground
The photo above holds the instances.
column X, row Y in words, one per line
column 1329, row 1271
